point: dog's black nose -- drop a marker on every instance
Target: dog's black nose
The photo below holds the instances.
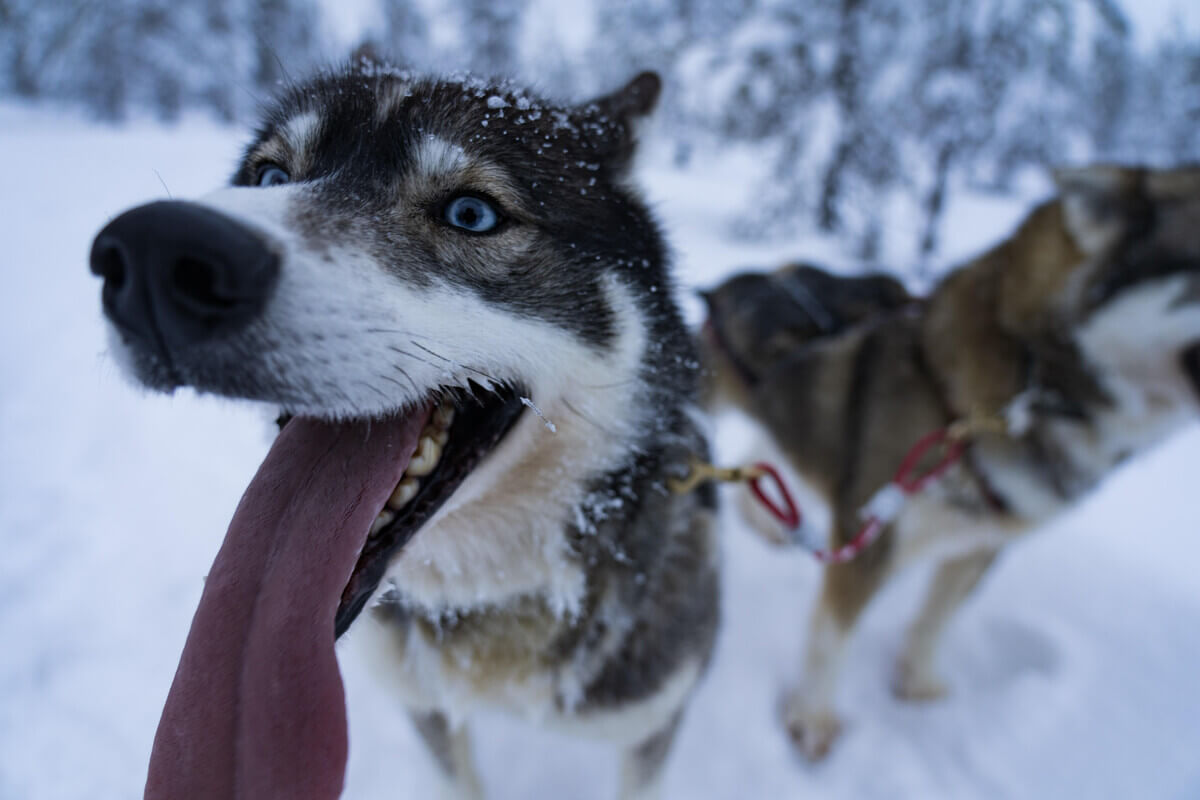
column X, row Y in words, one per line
column 176, row 274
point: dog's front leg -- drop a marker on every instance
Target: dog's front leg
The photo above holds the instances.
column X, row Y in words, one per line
column 808, row 709
column 451, row 749
column 916, row 675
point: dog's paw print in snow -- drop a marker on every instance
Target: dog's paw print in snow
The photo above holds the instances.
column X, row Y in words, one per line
column 1004, row 654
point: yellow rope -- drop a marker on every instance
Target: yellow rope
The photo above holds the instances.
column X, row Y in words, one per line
column 702, row 471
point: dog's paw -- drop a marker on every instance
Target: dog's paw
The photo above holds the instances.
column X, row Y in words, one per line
column 812, row 731
column 918, row 684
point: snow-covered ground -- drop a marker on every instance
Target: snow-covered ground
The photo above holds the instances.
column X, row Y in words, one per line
column 1076, row 669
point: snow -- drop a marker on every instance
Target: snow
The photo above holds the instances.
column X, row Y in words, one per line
column 1074, row 670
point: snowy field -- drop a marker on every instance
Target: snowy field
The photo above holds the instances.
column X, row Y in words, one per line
column 1076, row 669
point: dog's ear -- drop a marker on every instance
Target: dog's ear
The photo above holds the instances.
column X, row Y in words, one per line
column 367, row 53
column 1100, row 203
column 635, row 99
column 616, row 117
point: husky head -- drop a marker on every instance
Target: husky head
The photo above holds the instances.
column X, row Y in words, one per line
column 394, row 247
column 758, row 320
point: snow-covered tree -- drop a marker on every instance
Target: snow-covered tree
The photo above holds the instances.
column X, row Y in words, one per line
column 490, row 32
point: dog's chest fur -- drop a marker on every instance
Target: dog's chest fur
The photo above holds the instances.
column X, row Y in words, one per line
column 610, row 619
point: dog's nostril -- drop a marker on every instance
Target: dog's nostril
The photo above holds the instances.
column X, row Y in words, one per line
column 110, row 265
column 199, row 282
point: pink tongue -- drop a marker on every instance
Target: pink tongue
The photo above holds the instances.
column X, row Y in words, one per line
column 257, row 709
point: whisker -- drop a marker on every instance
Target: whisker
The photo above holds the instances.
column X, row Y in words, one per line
column 390, row 379
column 164, row 184
column 406, row 354
column 373, row 388
column 427, row 350
column 570, row 407
column 479, row 372
column 616, row 385
column 408, row 378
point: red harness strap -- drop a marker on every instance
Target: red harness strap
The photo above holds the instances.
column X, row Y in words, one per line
column 883, row 508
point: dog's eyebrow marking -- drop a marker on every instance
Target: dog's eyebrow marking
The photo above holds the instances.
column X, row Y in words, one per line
column 300, row 133
column 390, row 97
column 291, row 143
column 438, row 164
column 435, row 157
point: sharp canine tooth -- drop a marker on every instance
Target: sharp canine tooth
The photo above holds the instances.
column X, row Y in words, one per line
column 405, row 490
column 428, row 453
column 385, row 517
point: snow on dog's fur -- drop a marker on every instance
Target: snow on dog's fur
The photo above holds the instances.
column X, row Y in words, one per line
column 469, row 244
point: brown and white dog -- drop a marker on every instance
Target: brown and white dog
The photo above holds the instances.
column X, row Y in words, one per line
column 1081, row 333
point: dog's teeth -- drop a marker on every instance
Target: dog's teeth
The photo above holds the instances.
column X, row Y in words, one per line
column 428, row 453
column 383, row 520
column 443, row 415
column 405, row 490
column 439, row 435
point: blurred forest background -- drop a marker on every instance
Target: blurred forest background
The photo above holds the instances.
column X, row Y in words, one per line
column 856, row 105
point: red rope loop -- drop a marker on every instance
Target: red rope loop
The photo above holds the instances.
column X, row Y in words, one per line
column 908, row 479
column 787, row 512
column 911, row 481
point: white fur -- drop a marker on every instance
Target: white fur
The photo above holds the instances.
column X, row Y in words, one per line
column 391, row 96
column 500, row 535
column 300, row 133
column 435, row 157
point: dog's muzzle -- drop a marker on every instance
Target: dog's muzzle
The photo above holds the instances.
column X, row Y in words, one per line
column 179, row 274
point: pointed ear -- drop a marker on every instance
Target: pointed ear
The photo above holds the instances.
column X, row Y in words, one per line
column 366, row 53
column 635, row 99
column 1100, row 203
column 617, row 117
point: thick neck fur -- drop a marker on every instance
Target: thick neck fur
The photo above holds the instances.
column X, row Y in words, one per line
column 505, row 533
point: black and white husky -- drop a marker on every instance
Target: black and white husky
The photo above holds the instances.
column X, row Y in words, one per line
column 464, row 311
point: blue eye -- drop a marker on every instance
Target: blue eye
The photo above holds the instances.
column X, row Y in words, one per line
column 471, row 214
column 272, row 175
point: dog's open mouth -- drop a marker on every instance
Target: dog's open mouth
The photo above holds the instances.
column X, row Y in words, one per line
column 257, row 706
column 1191, row 366
column 452, row 443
